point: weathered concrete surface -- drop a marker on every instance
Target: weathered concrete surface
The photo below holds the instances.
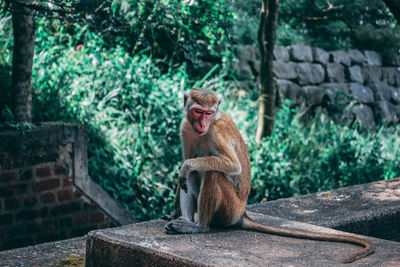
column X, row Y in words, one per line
column 369, row 209
column 146, row 244
column 70, row 252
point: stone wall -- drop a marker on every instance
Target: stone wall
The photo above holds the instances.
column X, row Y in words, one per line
column 44, row 192
column 313, row 77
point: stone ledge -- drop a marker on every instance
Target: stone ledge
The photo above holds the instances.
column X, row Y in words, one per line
column 372, row 208
column 46, row 254
column 45, row 134
column 369, row 209
column 146, row 244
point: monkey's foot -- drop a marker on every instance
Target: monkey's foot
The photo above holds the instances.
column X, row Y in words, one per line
column 167, row 217
column 182, row 226
column 174, row 214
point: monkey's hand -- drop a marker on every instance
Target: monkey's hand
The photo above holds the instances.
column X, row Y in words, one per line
column 184, row 175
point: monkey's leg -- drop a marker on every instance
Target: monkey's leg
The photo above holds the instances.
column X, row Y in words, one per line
column 187, row 203
column 188, row 200
column 217, row 202
column 176, row 207
column 186, row 224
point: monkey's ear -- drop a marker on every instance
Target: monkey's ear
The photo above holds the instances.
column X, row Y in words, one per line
column 185, row 98
column 218, row 114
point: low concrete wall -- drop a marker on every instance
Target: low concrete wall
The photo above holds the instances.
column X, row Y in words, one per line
column 45, row 191
column 369, row 209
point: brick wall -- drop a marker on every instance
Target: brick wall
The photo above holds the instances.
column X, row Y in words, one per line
column 39, row 201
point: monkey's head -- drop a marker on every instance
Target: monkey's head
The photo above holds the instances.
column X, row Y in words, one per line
column 201, row 109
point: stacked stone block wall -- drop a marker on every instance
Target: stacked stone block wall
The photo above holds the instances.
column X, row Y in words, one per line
column 360, row 80
column 38, row 199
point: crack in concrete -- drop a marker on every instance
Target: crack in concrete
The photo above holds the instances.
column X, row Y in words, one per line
column 191, row 240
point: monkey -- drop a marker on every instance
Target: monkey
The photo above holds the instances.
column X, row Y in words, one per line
column 215, row 179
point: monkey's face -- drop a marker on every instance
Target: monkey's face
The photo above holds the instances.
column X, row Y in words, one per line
column 201, row 117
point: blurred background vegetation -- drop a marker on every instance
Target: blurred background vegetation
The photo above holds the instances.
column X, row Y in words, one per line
column 121, row 67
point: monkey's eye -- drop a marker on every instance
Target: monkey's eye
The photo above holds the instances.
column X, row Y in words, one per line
column 198, row 111
column 209, row 112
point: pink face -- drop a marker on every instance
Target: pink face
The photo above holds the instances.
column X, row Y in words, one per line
column 202, row 118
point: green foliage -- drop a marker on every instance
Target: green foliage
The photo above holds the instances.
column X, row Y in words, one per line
column 342, row 24
column 366, row 25
column 300, row 159
column 6, row 41
column 6, row 38
column 132, row 112
column 174, row 31
column 246, row 15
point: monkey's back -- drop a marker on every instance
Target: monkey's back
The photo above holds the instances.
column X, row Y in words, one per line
column 231, row 134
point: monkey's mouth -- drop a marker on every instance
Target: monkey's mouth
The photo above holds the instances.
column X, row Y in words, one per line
column 200, row 132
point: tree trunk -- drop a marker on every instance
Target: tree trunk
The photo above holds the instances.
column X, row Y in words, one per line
column 24, row 43
column 266, row 40
column 394, row 7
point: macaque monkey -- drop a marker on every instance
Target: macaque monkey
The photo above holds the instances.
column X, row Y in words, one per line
column 214, row 180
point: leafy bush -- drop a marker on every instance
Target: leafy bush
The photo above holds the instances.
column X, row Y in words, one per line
column 175, row 31
column 6, row 41
column 300, row 159
column 366, row 25
column 132, row 113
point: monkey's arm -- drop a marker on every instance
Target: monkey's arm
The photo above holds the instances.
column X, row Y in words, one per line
column 225, row 161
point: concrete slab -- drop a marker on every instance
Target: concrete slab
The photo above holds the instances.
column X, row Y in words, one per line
column 146, row 244
column 369, row 209
column 70, row 252
column 363, row 208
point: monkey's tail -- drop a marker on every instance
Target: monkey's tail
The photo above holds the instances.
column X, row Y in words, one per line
column 248, row 224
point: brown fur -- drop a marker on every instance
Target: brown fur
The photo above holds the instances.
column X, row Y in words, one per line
column 220, row 160
column 203, row 97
